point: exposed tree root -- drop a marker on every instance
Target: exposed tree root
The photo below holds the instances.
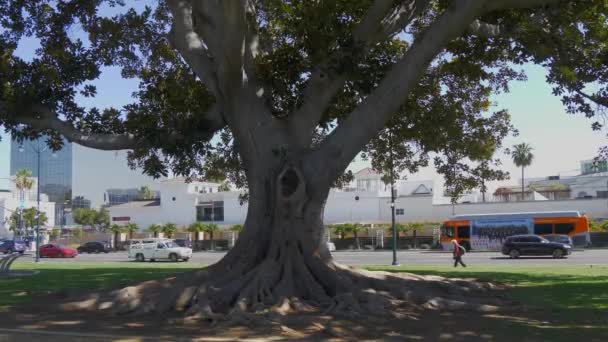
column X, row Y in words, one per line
column 261, row 296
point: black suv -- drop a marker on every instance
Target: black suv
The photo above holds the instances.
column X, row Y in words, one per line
column 11, row 246
column 94, row 247
column 517, row 245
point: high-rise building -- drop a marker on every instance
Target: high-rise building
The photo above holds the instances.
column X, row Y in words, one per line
column 75, row 176
column 54, row 174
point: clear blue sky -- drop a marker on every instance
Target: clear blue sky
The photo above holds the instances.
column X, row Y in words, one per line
column 560, row 140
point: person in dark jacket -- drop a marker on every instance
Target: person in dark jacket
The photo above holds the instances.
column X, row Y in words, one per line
column 458, row 251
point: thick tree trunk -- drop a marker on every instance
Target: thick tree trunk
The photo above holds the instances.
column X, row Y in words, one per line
column 280, row 262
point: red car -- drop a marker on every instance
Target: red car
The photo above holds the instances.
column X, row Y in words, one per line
column 57, row 251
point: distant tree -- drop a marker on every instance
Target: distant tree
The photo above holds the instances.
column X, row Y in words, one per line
column 237, row 228
column 145, row 193
column 78, row 233
column 169, row 229
column 522, row 157
column 195, row 228
column 211, row 229
column 224, row 187
column 116, row 230
column 55, row 233
column 340, row 229
column 98, row 220
column 23, row 180
column 154, row 229
column 30, row 220
column 131, row 228
column 355, row 229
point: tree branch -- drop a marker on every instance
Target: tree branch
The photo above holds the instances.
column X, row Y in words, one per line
column 380, row 22
column 485, row 30
column 41, row 118
column 343, row 144
column 495, row 5
column 595, row 99
column 189, row 44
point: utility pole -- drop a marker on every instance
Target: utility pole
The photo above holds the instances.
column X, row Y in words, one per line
column 38, row 209
column 394, row 263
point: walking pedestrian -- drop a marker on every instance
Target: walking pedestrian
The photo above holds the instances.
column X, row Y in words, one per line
column 458, row 251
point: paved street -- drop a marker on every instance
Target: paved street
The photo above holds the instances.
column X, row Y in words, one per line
column 586, row 257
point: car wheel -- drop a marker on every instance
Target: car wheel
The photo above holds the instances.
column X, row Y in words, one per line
column 514, row 254
column 558, row 253
column 21, row 252
column 139, row 257
column 152, row 260
column 186, row 259
column 173, row 257
column 9, row 251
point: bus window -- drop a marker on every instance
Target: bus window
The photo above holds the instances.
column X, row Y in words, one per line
column 564, row 228
column 464, row 232
column 447, row 231
column 543, row 228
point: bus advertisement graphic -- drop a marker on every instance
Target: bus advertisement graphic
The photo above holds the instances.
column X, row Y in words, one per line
column 490, row 234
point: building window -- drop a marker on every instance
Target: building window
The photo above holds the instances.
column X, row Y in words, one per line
column 543, row 228
column 399, row 211
column 210, row 211
column 564, row 228
column 196, row 189
column 602, row 194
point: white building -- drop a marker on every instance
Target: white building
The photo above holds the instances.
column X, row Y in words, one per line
column 10, row 202
column 367, row 200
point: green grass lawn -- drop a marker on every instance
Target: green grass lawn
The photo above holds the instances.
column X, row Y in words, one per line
column 564, row 303
column 55, row 276
column 573, row 298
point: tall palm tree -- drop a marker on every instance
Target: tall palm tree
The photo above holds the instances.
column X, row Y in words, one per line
column 131, row 228
column 196, row 228
column 116, row 230
column 23, row 180
column 522, row 157
column 210, row 229
column 154, row 229
column 169, row 229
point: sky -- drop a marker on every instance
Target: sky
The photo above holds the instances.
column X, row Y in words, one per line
column 559, row 140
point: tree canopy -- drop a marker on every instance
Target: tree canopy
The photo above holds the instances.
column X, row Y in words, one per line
column 308, row 61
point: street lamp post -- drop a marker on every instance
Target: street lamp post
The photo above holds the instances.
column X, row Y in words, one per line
column 393, row 225
column 38, row 151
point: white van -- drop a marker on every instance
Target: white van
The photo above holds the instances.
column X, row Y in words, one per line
column 158, row 249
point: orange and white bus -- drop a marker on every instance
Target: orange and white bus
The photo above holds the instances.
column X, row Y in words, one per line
column 488, row 231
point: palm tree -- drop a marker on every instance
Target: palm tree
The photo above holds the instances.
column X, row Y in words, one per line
column 131, row 228
column 169, row 229
column 211, row 228
column 196, row 228
column 154, row 229
column 237, row 228
column 522, row 157
column 340, row 229
column 145, row 193
column 23, row 180
column 116, row 230
column 355, row 228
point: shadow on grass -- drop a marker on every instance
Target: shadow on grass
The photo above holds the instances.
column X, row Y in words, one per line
column 19, row 290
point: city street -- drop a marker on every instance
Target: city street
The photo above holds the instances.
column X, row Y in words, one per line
column 583, row 257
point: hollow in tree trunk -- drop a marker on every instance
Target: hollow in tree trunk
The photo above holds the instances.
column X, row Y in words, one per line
column 280, row 262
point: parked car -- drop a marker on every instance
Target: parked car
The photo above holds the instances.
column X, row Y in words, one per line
column 331, row 246
column 10, row 246
column 565, row 239
column 94, row 247
column 517, row 245
column 53, row 250
column 183, row 243
column 156, row 249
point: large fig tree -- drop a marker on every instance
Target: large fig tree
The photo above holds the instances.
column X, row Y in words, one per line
column 279, row 97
